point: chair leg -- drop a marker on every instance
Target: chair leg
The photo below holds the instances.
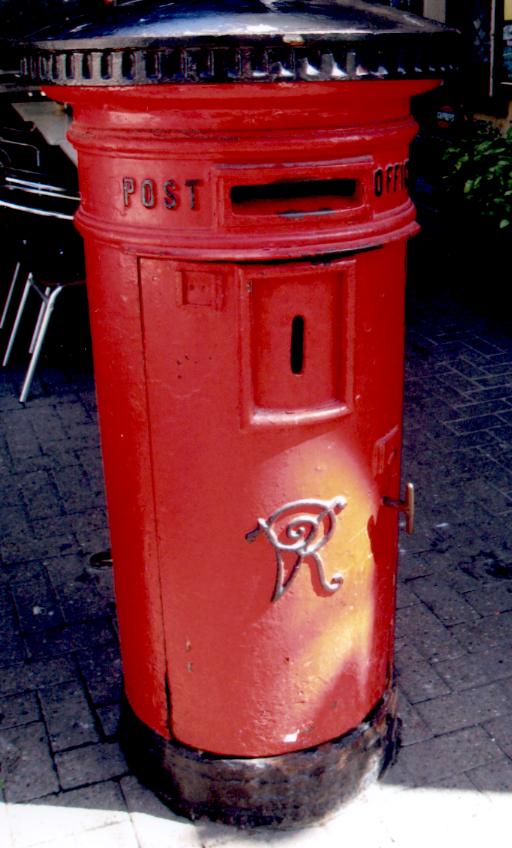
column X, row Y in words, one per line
column 39, row 319
column 10, row 293
column 45, row 320
column 21, row 307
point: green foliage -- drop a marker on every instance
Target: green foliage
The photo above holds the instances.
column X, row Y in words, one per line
column 478, row 173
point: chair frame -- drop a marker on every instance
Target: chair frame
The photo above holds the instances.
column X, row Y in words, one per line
column 22, row 184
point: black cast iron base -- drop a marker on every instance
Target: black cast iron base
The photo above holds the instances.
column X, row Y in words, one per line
column 286, row 791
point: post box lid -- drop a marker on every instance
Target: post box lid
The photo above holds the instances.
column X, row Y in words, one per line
column 138, row 42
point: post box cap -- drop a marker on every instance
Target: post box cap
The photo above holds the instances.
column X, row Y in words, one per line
column 140, row 42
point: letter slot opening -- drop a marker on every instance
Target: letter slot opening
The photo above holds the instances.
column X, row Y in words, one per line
column 297, row 345
column 296, row 198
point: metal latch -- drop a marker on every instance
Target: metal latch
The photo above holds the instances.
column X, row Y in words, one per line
column 406, row 506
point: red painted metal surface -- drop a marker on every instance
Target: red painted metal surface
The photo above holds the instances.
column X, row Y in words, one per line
column 245, row 248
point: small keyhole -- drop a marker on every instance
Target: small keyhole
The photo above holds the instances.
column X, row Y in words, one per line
column 297, row 345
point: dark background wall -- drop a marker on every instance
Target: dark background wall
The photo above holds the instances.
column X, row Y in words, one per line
column 18, row 17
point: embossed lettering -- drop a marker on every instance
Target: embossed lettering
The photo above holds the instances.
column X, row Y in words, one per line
column 148, row 193
column 391, row 179
column 397, row 176
column 378, row 182
column 192, row 185
column 300, row 529
column 389, row 174
column 152, row 194
column 128, row 189
column 170, row 199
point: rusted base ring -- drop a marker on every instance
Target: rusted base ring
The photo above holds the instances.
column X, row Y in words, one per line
column 286, row 791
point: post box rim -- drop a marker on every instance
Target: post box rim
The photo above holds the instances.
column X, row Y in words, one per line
column 280, row 41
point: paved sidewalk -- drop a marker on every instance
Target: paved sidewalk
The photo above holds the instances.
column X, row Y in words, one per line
column 64, row 783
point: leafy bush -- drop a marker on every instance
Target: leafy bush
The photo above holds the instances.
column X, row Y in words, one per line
column 478, row 173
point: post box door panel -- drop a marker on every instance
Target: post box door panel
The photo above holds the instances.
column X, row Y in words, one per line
column 212, row 334
column 297, row 339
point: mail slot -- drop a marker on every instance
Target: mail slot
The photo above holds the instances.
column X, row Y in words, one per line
column 245, row 215
column 294, row 199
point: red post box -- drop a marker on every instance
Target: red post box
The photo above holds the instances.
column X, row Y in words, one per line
column 245, row 214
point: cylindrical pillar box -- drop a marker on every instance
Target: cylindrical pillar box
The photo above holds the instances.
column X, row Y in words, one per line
column 245, row 215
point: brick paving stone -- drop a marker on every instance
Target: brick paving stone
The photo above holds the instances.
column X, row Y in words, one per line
column 417, row 677
column 500, row 731
column 468, row 409
column 503, row 366
column 412, row 565
column 506, row 415
column 90, row 764
column 109, row 719
column 489, row 632
column 75, row 637
column 20, row 436
column 91, row 461
column 496, row 777
column 110, row 836
column 473, row 424
column 86, row 435
column 87, row 396
column 404, row 596
column 10, row 520
column 470, row 575
column 21, row 677
column 18, row 709
column 68, row 717
column 45, row 421
column 445, row 603
column 396, row 775
column 74, row 489
column 39, row 494
column 27, row 547
column 155, row 825
column 36, row 604
column 492, row 599
column 465, row 708
column 11, row 644
column 72, row 413
column 485, row 492
column 27, row 767
column 506, row 685
column 471, row 441
column 83, row 594
column 459, row 783
column 55, row 456
column 448, row 755
column 65, row 569
column 502, row 437
column 464, row 365
column 483, row 346
column 426, row 633
column 414, row 729
column 103, row 674
column 476, row 669
column 494, row 381
column 486, row 393
column 84, row 602
column 91, row 530
column 69, row 813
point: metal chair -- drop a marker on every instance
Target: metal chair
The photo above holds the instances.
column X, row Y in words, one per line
column 50, row 253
